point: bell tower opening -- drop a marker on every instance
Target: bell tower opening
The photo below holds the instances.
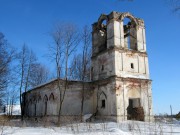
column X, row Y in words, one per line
column 130, row 34
column 103, row 36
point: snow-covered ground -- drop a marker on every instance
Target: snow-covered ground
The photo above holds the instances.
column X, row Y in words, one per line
column 105, row 128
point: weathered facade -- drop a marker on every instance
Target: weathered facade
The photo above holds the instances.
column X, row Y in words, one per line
column 44, row 100
column 120, row 86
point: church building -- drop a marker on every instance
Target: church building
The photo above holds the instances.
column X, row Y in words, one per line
column 120, row 87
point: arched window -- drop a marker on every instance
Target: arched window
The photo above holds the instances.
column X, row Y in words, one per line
column 34, row 100
column 130, row 31
column 102, row 20
column 104, row 23
column 51, row 97
column 102, row 35
column 39, row 98
column 102, row 95
column 103, row 99
column 45, row 98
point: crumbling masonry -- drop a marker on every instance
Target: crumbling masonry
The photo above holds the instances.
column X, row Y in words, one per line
column 120, row 86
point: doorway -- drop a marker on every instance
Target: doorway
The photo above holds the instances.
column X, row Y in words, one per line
column 135, row 111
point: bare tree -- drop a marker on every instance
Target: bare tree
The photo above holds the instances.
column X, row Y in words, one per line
column 7, row 55
column 26, row 59
column 81, row 63
column 11, row 95
column 56, row 54
column 76, row 65
column 31, row 61
column 11, row 99
column 22, row 67
column 86, row 58
column 66, row 39
column 174, row 5
column 39, row 74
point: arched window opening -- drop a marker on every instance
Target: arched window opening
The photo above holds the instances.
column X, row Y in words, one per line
column 45, row 98
column 130, row 34
column 45, row 105
column 102, row 95
column 103, row 99
column 39, row 98
column 51, row 97
column 34, row 100
column 104, row 23
column 102, row 36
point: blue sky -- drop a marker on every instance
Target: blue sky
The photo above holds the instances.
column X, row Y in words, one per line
column 30, row 21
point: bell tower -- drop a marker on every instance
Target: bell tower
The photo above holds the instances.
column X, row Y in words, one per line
column 120, row 67
column 125, row 44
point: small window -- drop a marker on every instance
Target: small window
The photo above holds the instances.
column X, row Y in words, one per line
column 102, row 68
column 132, row 66
column 103, row 103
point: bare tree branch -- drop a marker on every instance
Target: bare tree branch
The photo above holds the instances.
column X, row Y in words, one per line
column 66, row 38
column 174, row 5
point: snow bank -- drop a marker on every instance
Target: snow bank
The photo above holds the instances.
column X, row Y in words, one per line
column 106, row 128
column 175, row 121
